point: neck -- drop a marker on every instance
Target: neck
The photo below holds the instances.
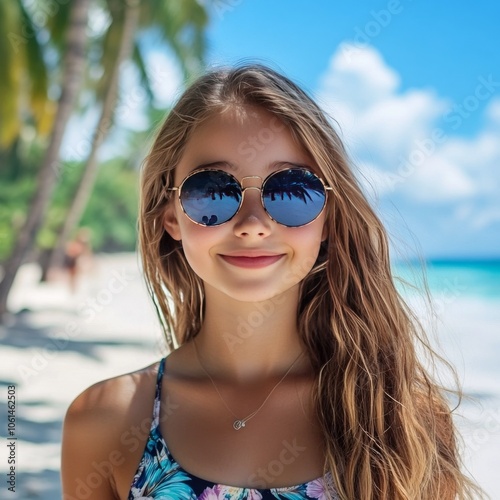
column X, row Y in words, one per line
column 245, row 341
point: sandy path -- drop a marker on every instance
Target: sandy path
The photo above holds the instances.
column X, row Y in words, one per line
column 63, row 343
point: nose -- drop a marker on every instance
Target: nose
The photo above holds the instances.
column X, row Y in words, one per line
column 252, row 220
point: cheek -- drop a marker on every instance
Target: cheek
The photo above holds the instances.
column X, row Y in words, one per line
column 193, row 236
column 309, row 237
column 197, row 242
column 306, row 242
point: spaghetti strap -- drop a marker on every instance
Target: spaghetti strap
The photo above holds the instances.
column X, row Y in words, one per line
column 157, row 401
column 160, row 476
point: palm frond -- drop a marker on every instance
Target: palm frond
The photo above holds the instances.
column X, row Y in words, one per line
column 143, row 73
column 41, row 107
column 12, row 56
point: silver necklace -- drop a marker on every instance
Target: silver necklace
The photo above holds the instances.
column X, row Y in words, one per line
column 239, row 423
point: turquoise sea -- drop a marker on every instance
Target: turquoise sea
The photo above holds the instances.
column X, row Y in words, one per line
column 463, row 319
column 123, row 334
column 476, row 278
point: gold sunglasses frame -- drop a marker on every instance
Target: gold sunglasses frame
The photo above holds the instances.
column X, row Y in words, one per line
column 243, row 189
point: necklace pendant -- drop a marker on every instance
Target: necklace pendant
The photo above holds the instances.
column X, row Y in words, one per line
column 238, row 424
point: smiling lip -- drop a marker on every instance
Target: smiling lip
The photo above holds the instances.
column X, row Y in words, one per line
column 252, row 261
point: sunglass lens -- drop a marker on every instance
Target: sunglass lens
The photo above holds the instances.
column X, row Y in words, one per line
column 294, row 197
column 210, row 197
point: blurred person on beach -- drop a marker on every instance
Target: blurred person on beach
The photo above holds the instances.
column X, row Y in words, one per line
column 76, row 251
column 293, row 370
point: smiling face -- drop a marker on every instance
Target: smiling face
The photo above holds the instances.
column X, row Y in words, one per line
column 250, row 257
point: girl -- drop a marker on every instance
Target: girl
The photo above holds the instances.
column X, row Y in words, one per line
column 292, row 370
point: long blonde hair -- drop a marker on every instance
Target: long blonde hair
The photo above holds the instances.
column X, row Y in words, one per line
column 387, row 427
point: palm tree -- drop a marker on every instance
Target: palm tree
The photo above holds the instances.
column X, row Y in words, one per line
column 23, row 85
column 172, row 20
column 84, row 190
column 22, row 57
column 72, row 75
column 180, row 23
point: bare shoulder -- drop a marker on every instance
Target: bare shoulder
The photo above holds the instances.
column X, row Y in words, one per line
column 110, row 397
column 104, row 433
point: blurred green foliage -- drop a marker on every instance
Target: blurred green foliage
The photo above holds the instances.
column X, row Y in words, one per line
column 111, row 213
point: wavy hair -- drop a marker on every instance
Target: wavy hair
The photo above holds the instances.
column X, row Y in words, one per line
column 387, row 426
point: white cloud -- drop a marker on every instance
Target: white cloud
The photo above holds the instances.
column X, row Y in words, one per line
column 350, row 86
column 493, row 111
column 374, row 181
column 486, row 218
column 397, row 141
column 439, row 179
column 361, row 92
column 390, row 125
column 361, row 79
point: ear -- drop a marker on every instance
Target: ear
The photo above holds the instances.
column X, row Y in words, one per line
column 170, row 222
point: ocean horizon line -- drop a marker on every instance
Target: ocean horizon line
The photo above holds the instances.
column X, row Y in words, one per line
column 456, row 260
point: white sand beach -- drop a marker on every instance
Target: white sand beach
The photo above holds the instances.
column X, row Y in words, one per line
column 58, row 344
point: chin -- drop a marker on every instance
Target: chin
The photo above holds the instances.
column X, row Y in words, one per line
column 254, row 297
column 252, row 294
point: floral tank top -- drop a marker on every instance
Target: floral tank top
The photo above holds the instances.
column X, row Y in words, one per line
column 159, row 476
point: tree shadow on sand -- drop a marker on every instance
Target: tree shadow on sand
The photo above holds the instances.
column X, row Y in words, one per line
column 43, row 485
column 22, row 334
column 38, row 420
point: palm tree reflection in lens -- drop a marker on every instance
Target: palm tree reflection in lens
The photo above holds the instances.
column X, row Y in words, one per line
column 212, row 197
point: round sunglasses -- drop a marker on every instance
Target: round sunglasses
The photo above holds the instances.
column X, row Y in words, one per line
column 292, row 197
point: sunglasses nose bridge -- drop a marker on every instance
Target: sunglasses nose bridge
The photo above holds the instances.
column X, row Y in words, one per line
column 246, row 188
column 250, row 187
column 243, row 179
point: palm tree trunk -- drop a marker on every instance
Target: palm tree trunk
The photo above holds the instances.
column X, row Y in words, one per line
column 74, row 61
column 84, row 189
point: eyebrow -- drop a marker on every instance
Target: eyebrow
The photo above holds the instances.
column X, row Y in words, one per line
column 214, row 164
column 231, row 166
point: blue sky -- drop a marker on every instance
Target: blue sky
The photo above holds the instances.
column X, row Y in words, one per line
column 415, row 86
